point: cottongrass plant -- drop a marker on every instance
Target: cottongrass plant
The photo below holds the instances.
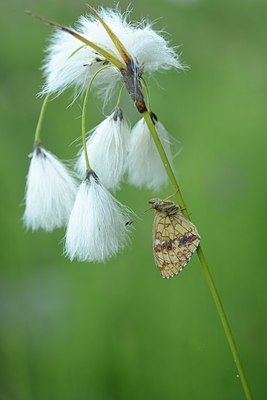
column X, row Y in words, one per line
column 50, row 192
column 70, row 62
column 97, row 224
column 103, row 51
column 108, row 149
column 145, row 168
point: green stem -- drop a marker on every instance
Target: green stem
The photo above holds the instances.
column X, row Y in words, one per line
column 202, row 259
column 166, row 163
column 37, row 136
column 119, row 96
column 147, row 93
column 226, row 325
column 84, row 110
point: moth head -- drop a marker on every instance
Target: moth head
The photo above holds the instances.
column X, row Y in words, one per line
column 155, row 203
column 161, row 205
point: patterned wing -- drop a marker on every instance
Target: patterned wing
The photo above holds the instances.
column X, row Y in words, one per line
column 175, row 239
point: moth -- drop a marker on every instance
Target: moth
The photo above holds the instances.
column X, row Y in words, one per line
column 175, row 238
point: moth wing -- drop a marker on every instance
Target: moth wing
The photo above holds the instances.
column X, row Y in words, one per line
column 175, row 239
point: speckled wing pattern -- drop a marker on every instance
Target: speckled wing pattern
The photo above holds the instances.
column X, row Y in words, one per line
column 175, row 239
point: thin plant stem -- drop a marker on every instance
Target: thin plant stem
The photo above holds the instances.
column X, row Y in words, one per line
column 84, row 110
column 37, row 136
column 166, row 163
column 225, row 322
column 119, row 96
column 202, row 259
column 147, row 93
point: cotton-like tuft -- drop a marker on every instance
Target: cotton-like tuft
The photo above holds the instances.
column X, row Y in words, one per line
column 97, row 226
column 107, row 149
column 145, row 168
column 50, row 192
column 69, row 62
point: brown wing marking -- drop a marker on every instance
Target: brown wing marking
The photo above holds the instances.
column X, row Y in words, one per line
column 171, row 254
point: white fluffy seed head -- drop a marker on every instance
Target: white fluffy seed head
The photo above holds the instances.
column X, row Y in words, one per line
column 145, row 168
column 96, row 230
column 50, row 192
column 68, row 62
column 107, row 149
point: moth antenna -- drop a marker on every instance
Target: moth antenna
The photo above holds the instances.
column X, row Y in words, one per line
column 137, row 216
column 171, row 195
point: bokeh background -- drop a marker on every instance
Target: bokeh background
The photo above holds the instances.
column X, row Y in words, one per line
column 119, row 331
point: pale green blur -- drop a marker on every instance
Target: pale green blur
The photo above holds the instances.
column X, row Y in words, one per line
column 118, row 331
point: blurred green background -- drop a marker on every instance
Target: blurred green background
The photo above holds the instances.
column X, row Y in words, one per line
column 119, row 331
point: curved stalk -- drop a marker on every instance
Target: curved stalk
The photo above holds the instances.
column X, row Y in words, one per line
column 37, row 136
column 202, row 259
column 84, row 110
column 166, row 163
column 148, row 96
column 119, row 96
